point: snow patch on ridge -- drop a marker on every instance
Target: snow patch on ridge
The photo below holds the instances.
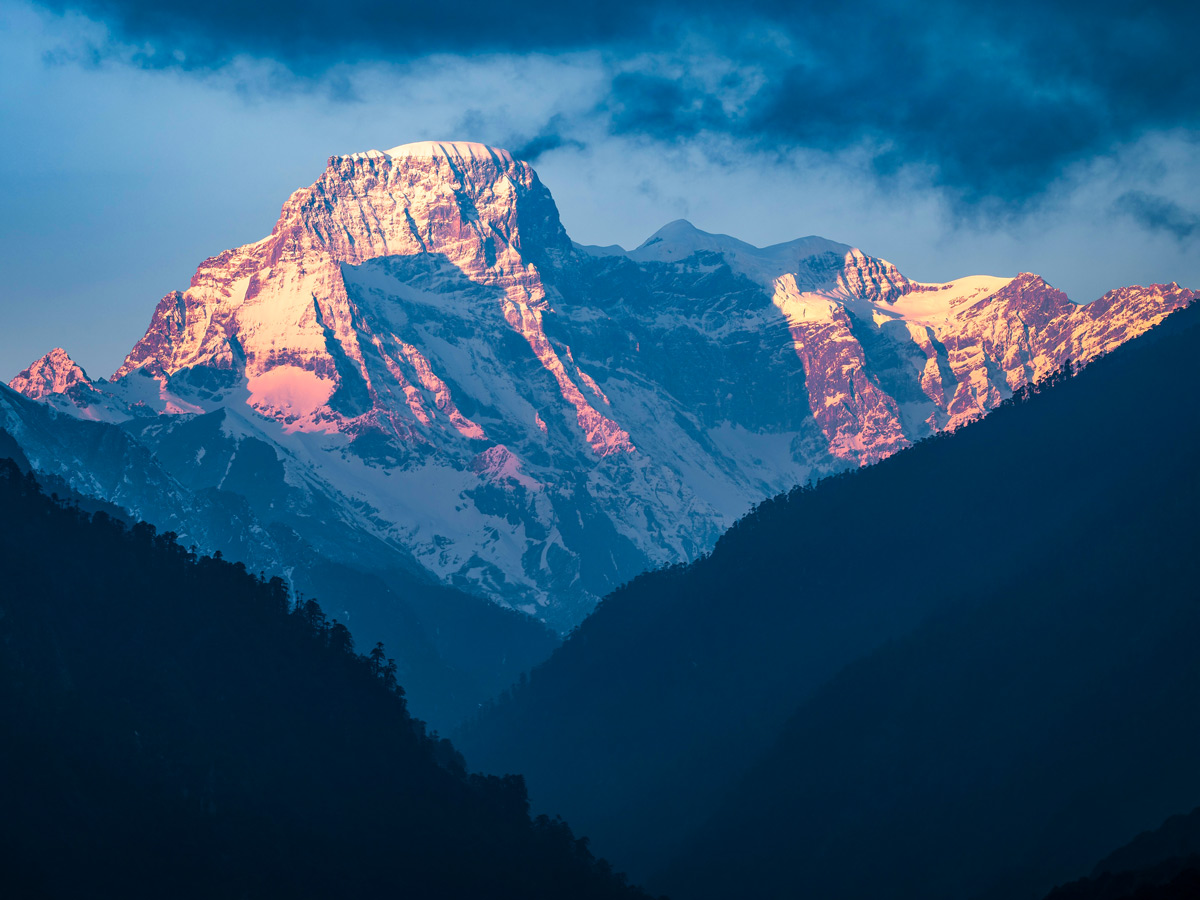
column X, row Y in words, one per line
column 499, row 464
column 289, row 392
column 930, row 304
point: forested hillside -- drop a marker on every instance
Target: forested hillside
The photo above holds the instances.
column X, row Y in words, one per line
column 175, row 727
column 1002, row 747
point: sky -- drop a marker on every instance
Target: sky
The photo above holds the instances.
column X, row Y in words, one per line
column 138, row 138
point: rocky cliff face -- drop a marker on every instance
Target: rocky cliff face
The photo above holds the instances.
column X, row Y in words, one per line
column 54, row 373
column 423, row 348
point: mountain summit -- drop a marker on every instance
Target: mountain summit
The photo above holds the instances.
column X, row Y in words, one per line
column 419, row 341
column 54, row 373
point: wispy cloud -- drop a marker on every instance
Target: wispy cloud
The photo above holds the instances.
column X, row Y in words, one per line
column 1157, row 213
column 550, row 137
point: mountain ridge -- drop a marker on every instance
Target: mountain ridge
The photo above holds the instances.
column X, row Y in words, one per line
column 538, row 424
column 644, row 724
column 218, row 483
column 184, row 727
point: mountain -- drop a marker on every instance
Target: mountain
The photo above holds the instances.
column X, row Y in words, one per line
column 1007, row 742
column 968, row 668
column 218, row 483
column 175, row 726
column 1163, row 864
column 473, row 398
column 52, row 375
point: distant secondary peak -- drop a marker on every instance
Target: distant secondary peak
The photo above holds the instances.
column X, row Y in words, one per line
column 682, row 235
column 678, row 228
column 53, row 373
column 681, row 239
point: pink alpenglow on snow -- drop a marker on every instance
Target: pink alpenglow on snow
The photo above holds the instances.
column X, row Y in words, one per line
column 289, row 393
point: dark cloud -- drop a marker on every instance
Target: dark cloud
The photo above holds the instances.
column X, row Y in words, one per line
column 994, row 99
column 311, row 36
column 996, row 104
column 1156, row 213
column 550, row 137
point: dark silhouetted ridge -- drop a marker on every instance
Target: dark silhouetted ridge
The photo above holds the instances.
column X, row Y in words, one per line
column 176, row 727
column 1163, row 864
column 964, row 672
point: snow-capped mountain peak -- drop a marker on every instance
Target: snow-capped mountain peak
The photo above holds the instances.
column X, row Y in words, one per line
column 427, row 352
column 54, row 373
column 278, row 311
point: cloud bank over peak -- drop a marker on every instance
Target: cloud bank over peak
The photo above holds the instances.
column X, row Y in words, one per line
column 995, row 100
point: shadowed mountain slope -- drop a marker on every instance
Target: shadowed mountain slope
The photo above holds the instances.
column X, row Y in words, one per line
column 220, row 486
column 1000, row 748
column 172, row 729
column 648, row 717
column 1163, row 864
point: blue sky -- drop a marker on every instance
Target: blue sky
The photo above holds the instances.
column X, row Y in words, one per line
column 140, row 139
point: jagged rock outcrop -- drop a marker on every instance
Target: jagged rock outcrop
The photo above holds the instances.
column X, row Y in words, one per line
column 54, row 373
column 419, row 340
